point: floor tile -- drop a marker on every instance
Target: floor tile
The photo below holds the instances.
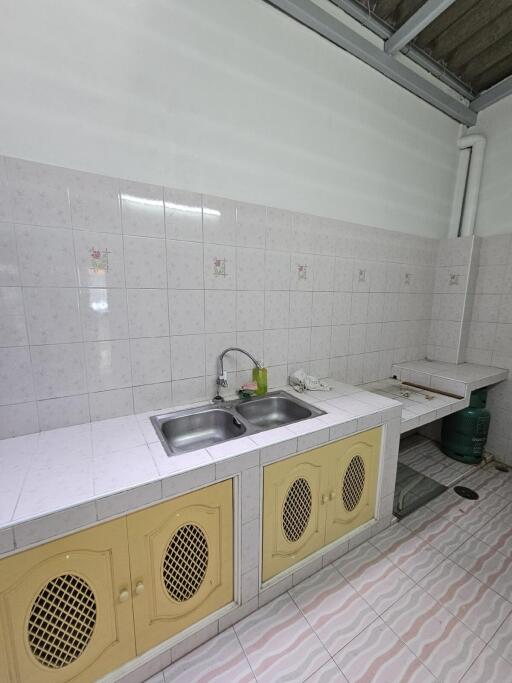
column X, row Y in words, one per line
column 487, row 563
column 437, row 530
column 435, row 636
column 279, row 643
column 217, row 661
column 377, row 655
column 477, row 606
column 489, row 668
column 411, row 553
column 498, row 532
column 375, row 577
column 328, row 673
column 335, row 611
column 502, row 640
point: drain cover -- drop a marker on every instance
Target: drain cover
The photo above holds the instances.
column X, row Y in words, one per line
column 464, row 492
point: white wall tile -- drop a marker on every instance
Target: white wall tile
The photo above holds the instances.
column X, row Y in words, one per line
column 250, row 265
column 63, row 412
column 186, row 311
column 9, row 270
column 94, row 201
column 219, row 220
column 13, row 331
column 103, row 313
column 277, row 270
column 151, row 397
column 52, row 315
column 251, row 225
column 59, row 370
column 183, row 215
column 277, row 310
column 108, row 365
column 188, row 356
column 250, row 310
column 46, row 256
column 142, row 209
column 184, row 265
column 16, row 385
column 111, row 403
column 148, row 312
column 220, row 311
column 151, row 360
column 275, row 349
column 145, row 262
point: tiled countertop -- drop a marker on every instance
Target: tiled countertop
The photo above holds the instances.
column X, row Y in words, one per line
column 422, row 407
column 61, row 480
column 460, row 380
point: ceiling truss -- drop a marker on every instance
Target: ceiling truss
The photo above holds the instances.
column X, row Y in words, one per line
column 415, row 21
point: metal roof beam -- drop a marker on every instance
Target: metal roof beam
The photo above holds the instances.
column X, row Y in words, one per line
column 373, row 23
column 494, row 94
column 326, row 25
column 415, row 24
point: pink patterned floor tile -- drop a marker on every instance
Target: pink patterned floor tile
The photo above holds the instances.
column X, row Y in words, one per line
column 375, row 577
column 487, row 563
column 279, row 643
column 411, row 553
column 502, row 641
column 217, row 661
column 498, row 532
column 377, row 655
column 329, row 673
column 489, row 668
column 333, row 608
column 435, row 636
column 437, row 530
column 477, row 606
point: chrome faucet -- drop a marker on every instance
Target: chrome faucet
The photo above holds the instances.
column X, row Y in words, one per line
column 222, row 379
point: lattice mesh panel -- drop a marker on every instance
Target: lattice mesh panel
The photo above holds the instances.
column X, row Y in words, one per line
column 296, row 509
column 353, row 483
column 185, row 562
column 62, row 621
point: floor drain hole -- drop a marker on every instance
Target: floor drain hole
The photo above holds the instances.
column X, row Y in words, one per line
column 500, row 467
column 464, row 492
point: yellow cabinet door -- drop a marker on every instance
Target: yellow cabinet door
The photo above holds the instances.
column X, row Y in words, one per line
column 181, row 559
column 65, row 608
column 353, row 473
column 293, row 511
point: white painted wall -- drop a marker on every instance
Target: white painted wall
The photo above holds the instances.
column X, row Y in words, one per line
column 495, row 202
column 228, row 97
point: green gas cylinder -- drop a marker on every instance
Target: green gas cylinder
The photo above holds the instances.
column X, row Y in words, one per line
column 465, row 433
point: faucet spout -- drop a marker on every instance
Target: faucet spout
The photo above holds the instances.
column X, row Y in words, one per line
column 222, row 379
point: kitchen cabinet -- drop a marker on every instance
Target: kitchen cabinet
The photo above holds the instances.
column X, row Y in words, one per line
column 66, row 608
column 314, row 498
column 181, row 560
column 79, row 607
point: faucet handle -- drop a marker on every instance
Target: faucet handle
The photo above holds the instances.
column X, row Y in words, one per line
column 222, row 380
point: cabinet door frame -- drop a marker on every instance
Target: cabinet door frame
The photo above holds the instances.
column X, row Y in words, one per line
column 158, row 617
column 340, row 520
column 279, row 552
column 97, row 556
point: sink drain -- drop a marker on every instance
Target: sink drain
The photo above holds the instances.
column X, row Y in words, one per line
column 464, row 492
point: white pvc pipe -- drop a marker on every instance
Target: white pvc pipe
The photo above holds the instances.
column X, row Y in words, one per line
column 477, row 144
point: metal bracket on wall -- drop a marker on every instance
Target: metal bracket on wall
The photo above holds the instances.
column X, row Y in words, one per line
column 328, row 26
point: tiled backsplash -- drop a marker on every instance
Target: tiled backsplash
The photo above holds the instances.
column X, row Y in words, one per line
column 490, row 334
column 117, row 296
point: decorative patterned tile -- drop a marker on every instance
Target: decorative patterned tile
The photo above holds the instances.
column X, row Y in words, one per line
column 434, row 635
column 375, row 577
column 217, row 661
column 378, row 656
column 278, row 642
column 335, row 611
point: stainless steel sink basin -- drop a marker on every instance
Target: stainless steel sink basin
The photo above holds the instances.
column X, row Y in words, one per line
column 189, row 430
column 201, row 429
column 273, row 411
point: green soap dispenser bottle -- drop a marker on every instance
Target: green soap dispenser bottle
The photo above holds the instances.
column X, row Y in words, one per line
column 259, row 375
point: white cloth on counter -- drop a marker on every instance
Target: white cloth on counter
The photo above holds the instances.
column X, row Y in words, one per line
column 301, row 382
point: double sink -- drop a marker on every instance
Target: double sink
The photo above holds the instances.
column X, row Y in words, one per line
column 189, row 430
